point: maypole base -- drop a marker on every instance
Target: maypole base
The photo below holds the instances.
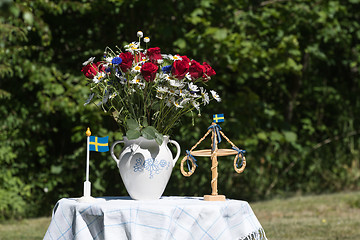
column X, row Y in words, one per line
column 214, row 198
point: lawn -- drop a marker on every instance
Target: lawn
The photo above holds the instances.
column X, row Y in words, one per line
column 321, row 217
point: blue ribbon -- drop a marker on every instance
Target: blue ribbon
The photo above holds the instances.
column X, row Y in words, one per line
column 187, row 160
column 240, row 152
column 216, row 128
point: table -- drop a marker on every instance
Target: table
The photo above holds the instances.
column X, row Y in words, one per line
column 167, row 218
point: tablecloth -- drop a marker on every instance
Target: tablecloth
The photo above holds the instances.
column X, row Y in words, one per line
column 178, row 218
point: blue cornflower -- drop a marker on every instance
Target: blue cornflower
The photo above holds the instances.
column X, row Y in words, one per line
column 116, row 60
column 166, row 69
column 107, row 70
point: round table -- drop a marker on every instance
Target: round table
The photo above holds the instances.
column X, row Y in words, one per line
column 167, row 218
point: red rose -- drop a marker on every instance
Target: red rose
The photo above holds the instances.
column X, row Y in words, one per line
column 148, row 71
column 208, row 71
column 154, row 54
column 127, row 59
column 92, row 69
column 180, row 67
column 196, row 70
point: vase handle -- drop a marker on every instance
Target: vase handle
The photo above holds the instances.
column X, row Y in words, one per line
column 177, row 149
column 112, row 150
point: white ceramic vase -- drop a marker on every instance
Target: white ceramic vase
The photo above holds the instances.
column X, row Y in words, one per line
column 145, row 167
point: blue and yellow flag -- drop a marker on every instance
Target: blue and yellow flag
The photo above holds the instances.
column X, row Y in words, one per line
column 99, row 144
column 218, row 118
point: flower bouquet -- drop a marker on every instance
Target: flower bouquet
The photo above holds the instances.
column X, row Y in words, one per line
column 147, row 92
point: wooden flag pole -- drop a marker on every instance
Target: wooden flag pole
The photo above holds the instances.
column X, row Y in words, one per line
column 214, row 170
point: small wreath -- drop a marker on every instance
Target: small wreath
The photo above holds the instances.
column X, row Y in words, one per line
column 243, row 163
column 193, row 166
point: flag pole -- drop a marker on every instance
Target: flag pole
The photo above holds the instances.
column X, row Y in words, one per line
column 87, row 184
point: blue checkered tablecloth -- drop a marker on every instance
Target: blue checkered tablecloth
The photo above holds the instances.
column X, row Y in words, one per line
column 178, row 218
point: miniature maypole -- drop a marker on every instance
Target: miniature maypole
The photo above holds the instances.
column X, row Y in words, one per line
column 213, row 153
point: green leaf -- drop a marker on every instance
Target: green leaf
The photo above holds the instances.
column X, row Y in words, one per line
column 133, row 134
column 149, row 132
column 220, row 34
column 155, row 106
column 262, row 136
column 275, row 136
column 132, row 124
column 145, row 123
column 159, row 137
column 56, row 169
column 290, row 136
column 181, row 43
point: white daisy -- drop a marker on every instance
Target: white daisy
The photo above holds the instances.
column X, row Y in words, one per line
column 185, row 101
column 139, row 34
column 134, row 50
column 98, row 77
column 204, row 96
column 108, row 60
column 166, row 56
column 170, row 102
column 146, row 39
column 182, row 92
column 142, row 59
column 137, row 80
column 196, row 105
column 168, row 77
column 136, row 69
column 188, row 76
column 195, row 95
column 178, row 105
column 215, row 95
column 90, row 60
column 132, row 45
column 171, row 91
column 175, row 57
column 162, row 89
column 176, row 83
column 163, row 76
column 113, row 95
column 106, row 65
column 159, row 95
column 192, row 87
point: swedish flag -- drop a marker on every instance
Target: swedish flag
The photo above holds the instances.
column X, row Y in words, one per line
column 99, row 144
column 218, row 118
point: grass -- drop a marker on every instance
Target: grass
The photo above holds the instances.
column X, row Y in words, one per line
column 29, row 229
column 330, row 216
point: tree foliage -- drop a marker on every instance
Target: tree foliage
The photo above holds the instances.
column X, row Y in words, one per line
column 288, row 73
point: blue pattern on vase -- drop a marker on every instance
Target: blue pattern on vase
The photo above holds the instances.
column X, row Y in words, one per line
column 152, row 165
column 139, row 165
